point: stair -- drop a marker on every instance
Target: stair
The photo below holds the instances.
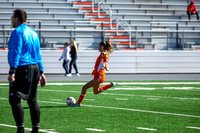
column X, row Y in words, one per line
column 88, row 8
column 107, row 25
column 82, row 3
column 95, row 14
column 100, row 19
column 119, row 38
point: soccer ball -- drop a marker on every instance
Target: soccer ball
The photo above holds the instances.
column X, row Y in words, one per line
column 70, row 101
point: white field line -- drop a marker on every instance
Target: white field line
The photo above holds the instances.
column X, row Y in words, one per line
column 93, row 129
column 125, row 83
column 193, row 127
column 153, row 98
column 112, row 94
column 149, row 129
column 30, row 129
column 126, row 109
column 89, row 99
column 133, row 89
column 121, row 99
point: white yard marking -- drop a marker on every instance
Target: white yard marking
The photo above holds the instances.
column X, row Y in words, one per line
column 144, row 111
column 3, row 98
column 143, row 128
column 179, row 88
column 194, row 127
column 92, row 129
column 4, row 84
column 122, row 99
column 153, row 98
column 30, row 129
column 56, row 99
column 133, row 89
column 89, row 99
column 127, row 109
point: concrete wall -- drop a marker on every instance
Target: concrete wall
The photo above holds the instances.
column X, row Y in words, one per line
column 122, row 62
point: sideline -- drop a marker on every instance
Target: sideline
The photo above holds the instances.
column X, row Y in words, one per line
column 128, row 83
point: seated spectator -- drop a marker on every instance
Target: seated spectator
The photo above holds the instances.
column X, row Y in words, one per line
column 191, row 10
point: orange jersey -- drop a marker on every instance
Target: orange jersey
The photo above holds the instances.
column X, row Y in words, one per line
column 99, row 68
column 101, row 63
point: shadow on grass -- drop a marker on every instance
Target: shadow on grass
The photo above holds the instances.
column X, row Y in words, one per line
column 48, row 107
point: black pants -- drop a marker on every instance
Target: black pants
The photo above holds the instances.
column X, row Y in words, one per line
column 65, row 66
column 73, row 62
column 189, row 14
column 25, row 87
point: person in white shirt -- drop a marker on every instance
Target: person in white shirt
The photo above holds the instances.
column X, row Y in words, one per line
column 66, row 58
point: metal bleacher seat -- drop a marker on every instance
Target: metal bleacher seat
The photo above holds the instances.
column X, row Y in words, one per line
column 61, row 16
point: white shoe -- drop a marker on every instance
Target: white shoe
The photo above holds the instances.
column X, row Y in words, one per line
column 113, row 83
column 77, row 75
column 69, row 75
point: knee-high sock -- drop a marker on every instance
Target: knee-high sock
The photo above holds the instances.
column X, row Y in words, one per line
column 103, row 88
column 81, row 97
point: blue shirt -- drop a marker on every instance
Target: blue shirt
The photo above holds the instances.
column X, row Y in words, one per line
column 24, row 47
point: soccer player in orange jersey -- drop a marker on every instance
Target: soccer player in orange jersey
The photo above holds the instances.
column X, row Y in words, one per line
column 98, row 72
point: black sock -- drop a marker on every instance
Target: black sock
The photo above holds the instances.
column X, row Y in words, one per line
column 35, row 130
column 20, row 129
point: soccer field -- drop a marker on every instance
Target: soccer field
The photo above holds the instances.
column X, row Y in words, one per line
column 129, row 107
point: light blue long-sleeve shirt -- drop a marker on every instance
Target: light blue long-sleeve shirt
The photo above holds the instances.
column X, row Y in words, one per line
column 24, row 47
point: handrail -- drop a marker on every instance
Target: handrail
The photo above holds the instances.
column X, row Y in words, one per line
column 6, row 35
column 119, row 21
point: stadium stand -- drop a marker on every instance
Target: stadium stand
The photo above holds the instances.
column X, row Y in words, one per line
column 129, row 24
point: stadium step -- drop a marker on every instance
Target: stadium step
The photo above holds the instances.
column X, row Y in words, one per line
column 132, row 49
column 95, row 14
column 118, row 37
column 114, row 31
column 88, row 8
column 124, row 43
column 107, row 25
column 83, row 3
column 100, row 19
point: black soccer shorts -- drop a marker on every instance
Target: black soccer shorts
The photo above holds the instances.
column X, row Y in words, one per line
column 26, row 81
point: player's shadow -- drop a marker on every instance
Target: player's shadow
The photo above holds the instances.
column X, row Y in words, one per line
column 48, row 107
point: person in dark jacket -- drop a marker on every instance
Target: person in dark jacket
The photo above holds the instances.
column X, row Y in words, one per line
column 73, row 53
column 191, row 10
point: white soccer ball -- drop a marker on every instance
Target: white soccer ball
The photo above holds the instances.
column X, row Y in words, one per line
column 70, row 101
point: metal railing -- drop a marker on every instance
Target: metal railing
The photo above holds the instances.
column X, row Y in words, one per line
column 7, row 32
column 119, row 22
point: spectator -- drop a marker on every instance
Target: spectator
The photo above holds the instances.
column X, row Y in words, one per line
column 26, row 69
column 66, row 58
column 73, row 53
column 191, row 10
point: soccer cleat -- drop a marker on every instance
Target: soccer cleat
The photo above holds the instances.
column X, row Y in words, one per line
column 76, row 105
column 69, row 75
column 113, row 83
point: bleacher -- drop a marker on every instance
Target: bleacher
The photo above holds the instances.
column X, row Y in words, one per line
column 130, row 24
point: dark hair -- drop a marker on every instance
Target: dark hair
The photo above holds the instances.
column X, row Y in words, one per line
column 20, row 14
column 107, row 46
